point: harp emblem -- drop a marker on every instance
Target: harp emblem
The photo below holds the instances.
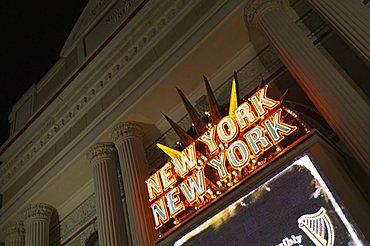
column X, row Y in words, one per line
column 318, row 227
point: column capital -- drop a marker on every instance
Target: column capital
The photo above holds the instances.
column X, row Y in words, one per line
column 101, row 151
column 38, row 211
column 126, row 130
column 255, row 9
column 15, row 229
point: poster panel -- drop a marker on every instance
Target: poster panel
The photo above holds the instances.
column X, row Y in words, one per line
column 294, row 206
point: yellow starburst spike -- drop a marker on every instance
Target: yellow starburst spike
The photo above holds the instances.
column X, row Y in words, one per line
column 169, row 151
column 233, row 100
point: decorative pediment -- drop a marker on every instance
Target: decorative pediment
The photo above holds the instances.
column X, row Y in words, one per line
column 93, row 10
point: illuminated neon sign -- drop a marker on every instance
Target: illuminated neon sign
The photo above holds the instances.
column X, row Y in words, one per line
column 225, row 151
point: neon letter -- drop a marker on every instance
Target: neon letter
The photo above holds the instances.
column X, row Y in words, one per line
column 195, row 188
column 240, row 158
column 260, row 101
column 154, row 184
column 160, row 213
column 277, row 128
column 188, row 159
column 244, row 116
column 166, row 175
column 227, row 129
column 219, row 165
column 210, row 140
column 174, row 204
column 255, row 137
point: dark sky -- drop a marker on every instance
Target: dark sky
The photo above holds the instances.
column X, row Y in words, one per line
column 32, row 35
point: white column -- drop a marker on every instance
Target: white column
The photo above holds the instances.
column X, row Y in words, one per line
column 111, row 221
column 342, row 107
column 350, row 18
column 36, row 222
column 14, row 234
column 127, row 137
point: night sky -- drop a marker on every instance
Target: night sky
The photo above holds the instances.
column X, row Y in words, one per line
column 32, row 35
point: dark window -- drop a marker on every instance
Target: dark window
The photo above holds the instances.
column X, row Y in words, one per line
column 93, row 240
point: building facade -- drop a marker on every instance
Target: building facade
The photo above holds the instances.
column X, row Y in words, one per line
column 83, row 139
